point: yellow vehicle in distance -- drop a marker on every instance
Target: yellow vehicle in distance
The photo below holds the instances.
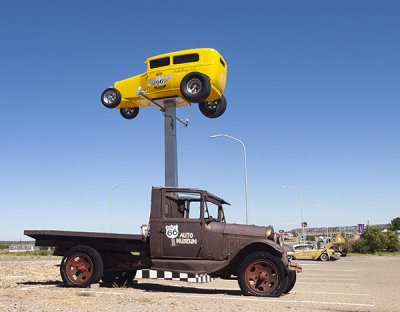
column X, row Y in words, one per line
column 185, row 77
column 310, row 251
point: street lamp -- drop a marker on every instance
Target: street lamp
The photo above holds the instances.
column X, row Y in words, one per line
column 301, row 206
column 245, row 169
column 110, row 201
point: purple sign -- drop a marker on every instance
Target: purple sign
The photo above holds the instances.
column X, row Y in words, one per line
column 360, row 228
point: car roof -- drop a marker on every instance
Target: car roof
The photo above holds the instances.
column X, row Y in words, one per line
column 201, row 50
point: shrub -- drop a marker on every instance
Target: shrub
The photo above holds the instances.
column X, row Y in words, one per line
column 393, row 241
column 360, row 246
column 375, row 239
column 310, row 238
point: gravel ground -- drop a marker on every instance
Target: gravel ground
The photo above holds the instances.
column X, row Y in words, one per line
column 350, row 284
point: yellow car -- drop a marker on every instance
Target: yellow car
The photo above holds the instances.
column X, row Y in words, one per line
column 189, row 76
column 310, row 251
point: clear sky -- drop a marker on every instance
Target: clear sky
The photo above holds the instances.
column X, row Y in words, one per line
column 312, row 90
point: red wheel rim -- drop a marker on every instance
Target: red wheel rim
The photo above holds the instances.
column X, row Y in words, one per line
column 79, row 268
column 262, row 277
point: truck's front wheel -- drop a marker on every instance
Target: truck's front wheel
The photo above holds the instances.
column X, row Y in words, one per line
column 81, row 266
column 261, row 274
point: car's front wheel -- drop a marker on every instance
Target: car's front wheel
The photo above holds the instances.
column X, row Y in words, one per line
column 324, row 257
column 130, row 112
column 213, row 109
column 195, row 87
column 111, row 98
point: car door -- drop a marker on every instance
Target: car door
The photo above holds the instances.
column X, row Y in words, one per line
column 181, row 225
column 159, row 76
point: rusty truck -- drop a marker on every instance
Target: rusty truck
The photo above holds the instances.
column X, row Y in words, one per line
column 187, row 232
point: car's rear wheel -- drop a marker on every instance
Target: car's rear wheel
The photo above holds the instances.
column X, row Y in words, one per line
column 130, row 112
column 195, row 87
column 111, row 98
column 213, row 109
column 324, row 257
column 261, row 274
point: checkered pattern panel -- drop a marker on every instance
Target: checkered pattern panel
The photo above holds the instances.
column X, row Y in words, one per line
column 166, row 275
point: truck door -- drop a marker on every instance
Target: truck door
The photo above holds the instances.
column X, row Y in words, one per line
column 181, row 225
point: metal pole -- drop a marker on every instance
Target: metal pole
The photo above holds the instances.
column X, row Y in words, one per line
column 301, row 208
column 171, row 158
column 110, row 213
column 245, row 169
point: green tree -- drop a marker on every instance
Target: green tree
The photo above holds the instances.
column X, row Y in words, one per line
column 374, row 238
column 393, row 241
column 395, row 224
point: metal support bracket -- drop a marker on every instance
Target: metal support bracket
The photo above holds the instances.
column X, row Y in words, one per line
column 142, row 93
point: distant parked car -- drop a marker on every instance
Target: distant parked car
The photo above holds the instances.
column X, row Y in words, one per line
column 194, row 76
column 311, row 251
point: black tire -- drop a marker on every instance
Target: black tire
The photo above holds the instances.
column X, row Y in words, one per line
column 291, row 281
column 118, row 278
column 130, row 112
column 81, row 266
column 213, row 109
column 263, row 275
column 195, row 87
column 111, row 98
column 324, row 257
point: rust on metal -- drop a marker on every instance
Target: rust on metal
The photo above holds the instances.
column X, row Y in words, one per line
column 294, row 266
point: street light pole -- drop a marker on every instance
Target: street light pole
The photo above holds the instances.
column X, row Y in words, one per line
column 245, row 169
column 301, row 207
column 110, row 202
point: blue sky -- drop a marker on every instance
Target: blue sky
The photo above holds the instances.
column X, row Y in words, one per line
column 312, row 90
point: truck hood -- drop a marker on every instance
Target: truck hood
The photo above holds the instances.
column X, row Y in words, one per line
column 249, row 231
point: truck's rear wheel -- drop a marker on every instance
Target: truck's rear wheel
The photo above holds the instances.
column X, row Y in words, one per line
column 261, row 274
column 118, row 278
column 81, row 266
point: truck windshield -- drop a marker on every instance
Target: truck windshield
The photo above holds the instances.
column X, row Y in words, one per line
column 213, row 211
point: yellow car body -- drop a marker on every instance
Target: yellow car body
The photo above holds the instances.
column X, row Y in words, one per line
column 164, row 77
column 309, row 251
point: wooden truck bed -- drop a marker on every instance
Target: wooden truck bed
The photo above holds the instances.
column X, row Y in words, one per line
column 64, row 240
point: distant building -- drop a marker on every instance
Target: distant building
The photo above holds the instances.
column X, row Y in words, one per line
column 22, row 247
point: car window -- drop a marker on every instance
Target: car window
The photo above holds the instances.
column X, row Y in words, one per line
column 187, row 58
column 165, row 61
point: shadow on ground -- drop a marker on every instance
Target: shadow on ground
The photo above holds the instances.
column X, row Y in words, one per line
column 150, row 287
column 46, row 283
